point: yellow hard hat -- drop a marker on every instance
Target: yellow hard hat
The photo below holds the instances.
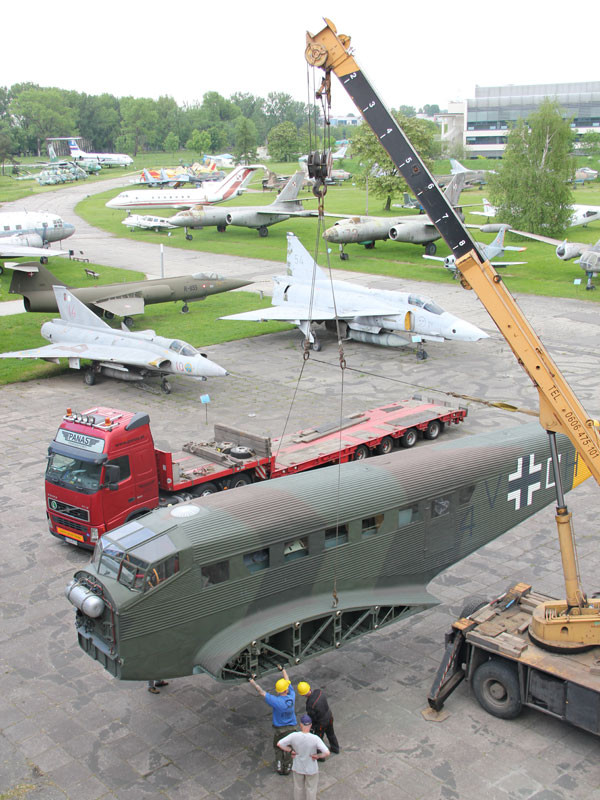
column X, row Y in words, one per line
column 282, row 685
column 303, row 687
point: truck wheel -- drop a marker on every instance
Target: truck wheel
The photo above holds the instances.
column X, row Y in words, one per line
column 496, row 688
column 385, row 446
column 361, row 452
column 205, row 489
column 239, row 480
column 434, row 429
column 409, row 439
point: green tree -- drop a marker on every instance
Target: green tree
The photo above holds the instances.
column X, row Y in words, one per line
column 589, row 144
column 384, row 179
column 283, row 142
column 140, row 120
column 199, row 142
column 245, row 140
column 171, row 143
column 41, row 113
column 531, row 189
column 407, row 111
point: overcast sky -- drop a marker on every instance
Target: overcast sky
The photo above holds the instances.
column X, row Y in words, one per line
column 414, row 53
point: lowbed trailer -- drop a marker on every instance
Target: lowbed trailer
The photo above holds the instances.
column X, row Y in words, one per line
column 491, row 649
column 235, row 457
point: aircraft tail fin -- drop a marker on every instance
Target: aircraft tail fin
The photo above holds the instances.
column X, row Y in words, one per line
column 235, row 181
column 39, row 279
column 74, row 148
column 300, row 264
column 52, row 152
column 74, row 311
column 292, row 188
column 498, row 243
column 454, row 188
column 456, row 167
column 488, row 208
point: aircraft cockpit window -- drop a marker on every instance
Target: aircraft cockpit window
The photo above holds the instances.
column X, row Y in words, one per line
column 256, row 561
column 155, row 549
column 110, row 557
column 188, row 350
column 334, row 537
column 415, row 300
column 371, row 525
column 440, row 506
column 133, row 572
column 433, row 308
column 408, row 515
column 176, row 345
column 297, row 548
column 215, row 573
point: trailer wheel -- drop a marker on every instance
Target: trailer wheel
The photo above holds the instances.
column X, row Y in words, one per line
column 205, row 489
column 239, row 480
column 434, row 429
column 385, row 446
column 409, row 439
column 496, row 688
column 361, row 452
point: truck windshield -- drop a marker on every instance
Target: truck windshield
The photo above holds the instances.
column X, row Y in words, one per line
column 80, row 476
column 136, row 557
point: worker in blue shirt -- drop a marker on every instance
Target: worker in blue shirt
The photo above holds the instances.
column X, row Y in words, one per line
column 284, row 717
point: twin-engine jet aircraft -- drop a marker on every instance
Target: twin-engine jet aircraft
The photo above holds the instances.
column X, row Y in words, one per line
column 306, row 295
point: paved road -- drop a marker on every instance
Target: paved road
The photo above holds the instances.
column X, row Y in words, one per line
column 68, row 730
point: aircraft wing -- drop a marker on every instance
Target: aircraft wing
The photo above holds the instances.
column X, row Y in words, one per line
column 289, row 313
column 134, row 357
column 16, row 250
column 537, row 237
column 124, row 306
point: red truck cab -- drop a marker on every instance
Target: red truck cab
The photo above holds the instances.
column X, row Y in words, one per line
column 101, row 473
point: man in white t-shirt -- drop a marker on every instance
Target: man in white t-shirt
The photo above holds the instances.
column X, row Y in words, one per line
column 306, row 749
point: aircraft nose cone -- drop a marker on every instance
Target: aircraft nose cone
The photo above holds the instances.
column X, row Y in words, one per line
column 69, row 229
column 181, row 218
column 465, row 331
column 331, row 234
column 209, row 369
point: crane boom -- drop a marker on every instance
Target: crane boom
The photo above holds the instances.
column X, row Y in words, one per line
column 560, row 409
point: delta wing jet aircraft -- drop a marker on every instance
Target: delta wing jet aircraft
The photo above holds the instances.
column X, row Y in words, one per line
column 375, row 316
column 216, row 192
column 81, row 334
column 280, row 571
column 259, row 217
column 36, row 284
column 414, row 229
column 28, row 233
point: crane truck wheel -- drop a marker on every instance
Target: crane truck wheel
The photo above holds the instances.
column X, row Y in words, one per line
column 496, row 687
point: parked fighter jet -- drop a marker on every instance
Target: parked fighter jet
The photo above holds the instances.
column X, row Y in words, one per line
column 36, row 284
column 259, row 217
column 366, row 230
column 587, row 255
column 28, row 233
column 216, row 192
column 488, row 251
column 147, row 222
column 580, row 215
column 375, row 316
column 284, row 570
column 81, row 334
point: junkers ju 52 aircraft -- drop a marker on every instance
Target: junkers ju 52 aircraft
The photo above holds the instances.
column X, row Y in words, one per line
column 220, row 585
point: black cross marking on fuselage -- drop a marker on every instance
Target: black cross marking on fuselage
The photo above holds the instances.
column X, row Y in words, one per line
column 524, row 481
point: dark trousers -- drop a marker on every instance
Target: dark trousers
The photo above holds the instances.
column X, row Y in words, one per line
column 281, row 755
column 327, row 730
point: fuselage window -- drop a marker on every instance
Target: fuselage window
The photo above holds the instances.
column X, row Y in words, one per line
column 440, row 506
column 215, row 573
column 256, row 561
column 297, row 548
column 465, row 493
column 371, row 525
column 163, row 570
column 334, row 537
column 408, row 515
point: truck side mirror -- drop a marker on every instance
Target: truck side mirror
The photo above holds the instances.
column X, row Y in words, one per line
column 112, row 474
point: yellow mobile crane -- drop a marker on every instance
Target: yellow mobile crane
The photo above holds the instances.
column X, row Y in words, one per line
column 571, row 625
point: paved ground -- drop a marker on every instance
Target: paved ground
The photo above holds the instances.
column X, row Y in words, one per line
column 68, row 730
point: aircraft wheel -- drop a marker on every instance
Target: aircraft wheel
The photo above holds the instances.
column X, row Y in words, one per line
column 263, row 231
column 361, row 452
column 344, row 256
column 409, row 439
column 316, row 345
column 89, row 377
column 128, row 321
column 221, row 228
column 185, row 308
column 434, row 429
column 44, row 260
column 385, row 446
column 369, row 245
column 165, row 386
column 189, row 237
column 431, row 249
column 109, row 315
column 496, row 687
column 421, row 354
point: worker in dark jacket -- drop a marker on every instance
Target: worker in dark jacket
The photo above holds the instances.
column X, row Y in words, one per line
column 318, row 710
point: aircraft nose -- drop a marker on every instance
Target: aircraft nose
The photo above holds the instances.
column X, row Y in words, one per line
column 464, row 331
column 331, row 234
column 114, row 203
column 209, row 369
column 68, row 228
